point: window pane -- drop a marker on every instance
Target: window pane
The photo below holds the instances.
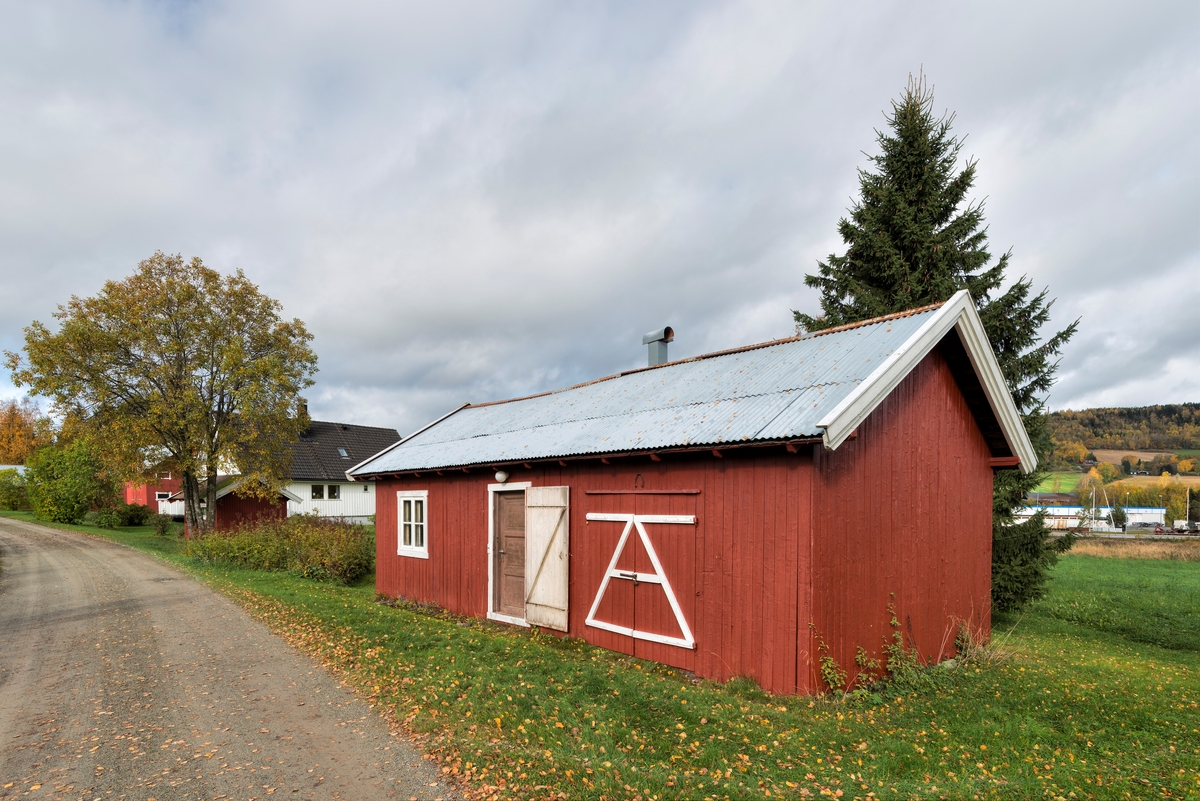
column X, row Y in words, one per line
column 407, row 518
column 335, row 492
column 419, row 535
column 407, row 535
column 318, row 491
column 419, row 511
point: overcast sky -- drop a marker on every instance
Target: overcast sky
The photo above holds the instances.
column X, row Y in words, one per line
column 471, row 201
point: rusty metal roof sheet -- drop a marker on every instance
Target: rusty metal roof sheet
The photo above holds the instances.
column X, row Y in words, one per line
column 770, row 392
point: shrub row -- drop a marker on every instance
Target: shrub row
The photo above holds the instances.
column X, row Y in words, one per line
column 124, row 514
column 313, row 547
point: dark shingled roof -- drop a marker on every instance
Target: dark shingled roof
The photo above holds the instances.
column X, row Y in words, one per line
column 316, row 456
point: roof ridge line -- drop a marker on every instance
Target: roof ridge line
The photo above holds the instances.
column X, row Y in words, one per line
column 654, row 408
column 714, row 354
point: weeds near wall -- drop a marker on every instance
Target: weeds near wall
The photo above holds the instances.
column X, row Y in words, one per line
column 901, row 670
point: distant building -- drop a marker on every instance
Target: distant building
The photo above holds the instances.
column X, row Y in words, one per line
column 319, row 464
column 156, row 493
column 234, row 511
column 1062, row 518
column 318, row 483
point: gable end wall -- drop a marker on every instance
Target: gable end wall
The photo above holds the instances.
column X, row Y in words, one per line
column 903, row 516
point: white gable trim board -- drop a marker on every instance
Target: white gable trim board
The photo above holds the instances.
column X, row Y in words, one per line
column 956, row 314
column 401, row 441
column 233, row 485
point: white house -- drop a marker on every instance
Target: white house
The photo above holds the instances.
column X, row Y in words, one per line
column 319, row 464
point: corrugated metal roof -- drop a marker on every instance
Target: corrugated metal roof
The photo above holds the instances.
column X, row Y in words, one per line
column 775, row 391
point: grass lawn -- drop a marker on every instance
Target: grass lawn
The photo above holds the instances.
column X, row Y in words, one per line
column 1059, row 482
column 1093, row 693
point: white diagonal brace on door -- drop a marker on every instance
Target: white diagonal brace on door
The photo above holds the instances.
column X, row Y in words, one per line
column 657, row 577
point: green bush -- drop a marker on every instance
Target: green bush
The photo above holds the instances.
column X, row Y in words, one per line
column 317, row 548
column 162, row 524
column 134, row 514
column 64, row 483
column 122, row 514
column 13, row 496
column 108, row 517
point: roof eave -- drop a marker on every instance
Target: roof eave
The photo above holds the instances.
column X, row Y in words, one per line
column 958, row 313
column 787, row 442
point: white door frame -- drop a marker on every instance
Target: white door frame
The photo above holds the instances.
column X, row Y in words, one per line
column 512, row 486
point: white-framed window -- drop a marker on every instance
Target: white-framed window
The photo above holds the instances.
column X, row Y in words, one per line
column 335, row 492
column 161, row 496
column 412, row 535
column 318, row 492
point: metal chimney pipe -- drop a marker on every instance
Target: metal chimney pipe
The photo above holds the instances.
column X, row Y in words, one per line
column 657, row 344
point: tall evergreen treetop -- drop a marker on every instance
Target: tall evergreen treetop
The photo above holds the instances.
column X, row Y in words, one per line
column 910, row 241
column 914, row 239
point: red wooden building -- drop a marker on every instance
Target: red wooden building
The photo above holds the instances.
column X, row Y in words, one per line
column 234, row 510
column 161, row 488
column 738, row 513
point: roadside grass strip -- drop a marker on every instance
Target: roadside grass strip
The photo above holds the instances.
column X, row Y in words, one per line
column 1060, row 706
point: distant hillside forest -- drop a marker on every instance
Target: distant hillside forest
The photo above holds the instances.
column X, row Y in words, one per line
column 1148, row 428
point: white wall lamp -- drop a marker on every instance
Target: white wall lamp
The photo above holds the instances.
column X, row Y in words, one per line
column 501, row 476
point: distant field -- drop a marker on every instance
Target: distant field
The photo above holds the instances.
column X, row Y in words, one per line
column 1115, row 457
column 1152, row 481
column 1175, row 551
column 1060, row 482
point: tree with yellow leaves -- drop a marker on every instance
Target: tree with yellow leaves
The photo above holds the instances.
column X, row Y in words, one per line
column 22, row 431
column 178, row 364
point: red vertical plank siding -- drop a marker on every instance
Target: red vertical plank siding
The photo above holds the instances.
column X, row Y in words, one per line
column 903, row 517
column 145, row 493
column 740, row 574
column 234, row 511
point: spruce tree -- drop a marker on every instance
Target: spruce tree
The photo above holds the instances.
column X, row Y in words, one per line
column 913, row 238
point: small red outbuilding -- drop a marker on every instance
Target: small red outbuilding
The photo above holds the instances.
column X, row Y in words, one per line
column 739, row 513
column 235, row 511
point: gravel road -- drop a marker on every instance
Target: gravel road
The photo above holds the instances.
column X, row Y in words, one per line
column 121, row 678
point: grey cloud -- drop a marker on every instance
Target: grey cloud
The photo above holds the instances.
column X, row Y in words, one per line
column 473, row 201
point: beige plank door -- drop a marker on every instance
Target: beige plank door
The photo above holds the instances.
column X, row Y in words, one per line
column 547, row 549
column 508, row 552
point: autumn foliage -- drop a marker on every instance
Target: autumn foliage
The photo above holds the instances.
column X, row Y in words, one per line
column 22, row 431
column 177, row 363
